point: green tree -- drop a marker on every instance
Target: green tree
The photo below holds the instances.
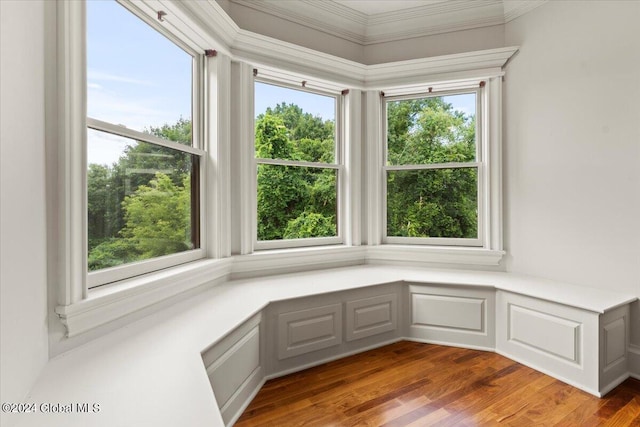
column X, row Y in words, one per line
column 310, row 224
column 435, row 202
column 158, row 217
column 116, row 235
column 302, row 125
column 293, row 201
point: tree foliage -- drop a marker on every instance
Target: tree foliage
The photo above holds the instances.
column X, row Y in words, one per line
column 431, row 202
column 295, row 201
column 140, row 206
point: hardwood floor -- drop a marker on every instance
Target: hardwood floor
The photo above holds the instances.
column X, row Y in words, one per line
column 414, row 384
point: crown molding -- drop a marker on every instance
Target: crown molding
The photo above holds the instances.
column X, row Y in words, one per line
column 461, row 66
column 349, row 24
column 328, row 17
column 324, row 71
column 431, row 10
column 260, row 50
column 516, row 8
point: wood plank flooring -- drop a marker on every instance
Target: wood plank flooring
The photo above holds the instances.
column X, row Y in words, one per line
column 415, row 384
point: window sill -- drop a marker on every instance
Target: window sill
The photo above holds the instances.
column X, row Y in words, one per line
column 279, row 261
column 110, row 302
column 417, row 256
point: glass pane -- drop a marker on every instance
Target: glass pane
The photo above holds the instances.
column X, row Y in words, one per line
column 294, row 125
column 135, row 76
column 140, row 201
column 296, row 202
column 432, row 130
column 433, row 203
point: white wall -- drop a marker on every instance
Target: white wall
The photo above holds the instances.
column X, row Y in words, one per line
column 572, row 145
column 23, row 209
column 436, row 45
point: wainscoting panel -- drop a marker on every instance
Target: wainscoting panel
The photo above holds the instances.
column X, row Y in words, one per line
column 371, row 316
column 448, row 312
column 305, row 332
column 234, row 368
column 549, row 334
column 615, row 363
column 552, row 338
column 461, row 316
column 309, row 330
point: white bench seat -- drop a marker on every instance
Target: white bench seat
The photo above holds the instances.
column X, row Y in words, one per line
column 154, row 372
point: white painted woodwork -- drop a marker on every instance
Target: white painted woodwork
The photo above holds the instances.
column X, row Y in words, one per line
column 559, row 340
column 164, row 351
column 616, row 358
column 309, row 330
column 234, row 44
column 374, row 22
column 453, row 316
column 234, row 368
column 371, row 316
column 544, row 332
column 614, row 342
column 373, row 310
column 634, row 361
column 448, row 312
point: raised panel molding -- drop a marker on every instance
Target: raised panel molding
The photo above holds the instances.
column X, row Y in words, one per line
column 371, row 316
column 459, row 316
column 614, row 342
column 234, row 367
column 448, row 312
column 309, row 330
column 616, row 357
column 581, row 347
column 553, row 335
column 555, row 339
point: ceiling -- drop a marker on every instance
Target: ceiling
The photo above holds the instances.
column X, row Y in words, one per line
column 373, row 7
column 369, row 22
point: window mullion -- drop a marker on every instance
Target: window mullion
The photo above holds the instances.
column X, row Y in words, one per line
column 280, row 162
column 140, row 136
column 432, row 166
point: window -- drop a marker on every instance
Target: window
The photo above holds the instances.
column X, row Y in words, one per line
column 298, row 166
column 433, row 169
column 143, row 150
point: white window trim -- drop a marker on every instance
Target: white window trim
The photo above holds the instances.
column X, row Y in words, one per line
column 284, row 80
column 479, row 165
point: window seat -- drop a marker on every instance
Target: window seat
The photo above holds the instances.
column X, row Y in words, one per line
column 154, row 372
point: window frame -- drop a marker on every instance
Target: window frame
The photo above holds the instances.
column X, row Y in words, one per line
column 338, row 165
column 482, row 150
column 197, row 148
